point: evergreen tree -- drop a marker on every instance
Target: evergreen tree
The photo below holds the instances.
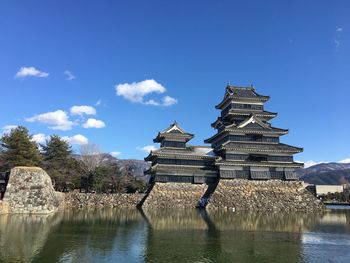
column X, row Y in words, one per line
column 64, row 170
column 56, row 149
column 18, row 149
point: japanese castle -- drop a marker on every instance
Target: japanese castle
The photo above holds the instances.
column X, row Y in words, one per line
column 245, row 146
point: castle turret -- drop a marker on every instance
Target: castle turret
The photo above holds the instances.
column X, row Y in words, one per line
column 175, row 161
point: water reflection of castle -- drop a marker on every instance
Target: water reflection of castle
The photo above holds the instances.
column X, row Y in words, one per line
column 162, row 236
column 246, row 146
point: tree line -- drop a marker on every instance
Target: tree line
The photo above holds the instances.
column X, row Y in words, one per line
column 88, row 172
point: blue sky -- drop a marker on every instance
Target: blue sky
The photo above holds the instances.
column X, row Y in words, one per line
column 58, row 54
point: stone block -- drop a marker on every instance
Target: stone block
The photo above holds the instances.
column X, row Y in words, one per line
column 30, row 190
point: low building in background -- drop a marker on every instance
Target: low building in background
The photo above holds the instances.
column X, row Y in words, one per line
column 322, row 190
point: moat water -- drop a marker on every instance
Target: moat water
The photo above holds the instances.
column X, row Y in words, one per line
column 111, row 235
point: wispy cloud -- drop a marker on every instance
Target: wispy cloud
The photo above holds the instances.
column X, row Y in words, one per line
column 98, row 103
column 69, row 75
column 83, row 109
column 30, row 72
column 58, row 120
column 168, row 101
column 337, row 43
column 93, row 123
column 137, row 91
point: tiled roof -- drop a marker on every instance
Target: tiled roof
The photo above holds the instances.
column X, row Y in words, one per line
column 244, row 130
column 261, row 147
column 257, row 164
column 196, row 152
column 244, row 92
column 247, row 113
column 259, row 130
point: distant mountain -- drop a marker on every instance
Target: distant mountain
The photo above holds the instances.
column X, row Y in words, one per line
column 136, row 166
column 324, row 167
column 326, row 173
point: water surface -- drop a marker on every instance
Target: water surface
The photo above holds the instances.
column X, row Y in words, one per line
column 111, row 235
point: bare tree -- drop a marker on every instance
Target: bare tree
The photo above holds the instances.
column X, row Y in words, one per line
column 91, row 156
column 343, row 180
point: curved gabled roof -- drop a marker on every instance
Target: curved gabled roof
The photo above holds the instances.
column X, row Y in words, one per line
column 174, row 131
column 241, row 93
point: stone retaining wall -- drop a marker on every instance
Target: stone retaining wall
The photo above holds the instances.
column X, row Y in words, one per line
column 88, row 200
column 240, row 194
column 30, row 191
column 168, row 195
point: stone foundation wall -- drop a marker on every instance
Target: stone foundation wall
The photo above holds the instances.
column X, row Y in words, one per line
column 180, row 195
column 87, row 200
column 30, row 190
column 242, row 194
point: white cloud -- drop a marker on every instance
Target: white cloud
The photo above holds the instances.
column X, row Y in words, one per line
column 147, row 149
column 40, row 138
column 69, row 75
column 76, row 139
column 93, row 123
column 136, row 91
column 339, row 29
column 7, row 128
column 83, row 109
column 58, row 120
column 152, row 102
column 115, row 154
column 346, row 160
column 168, row 101
column 30, row 72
